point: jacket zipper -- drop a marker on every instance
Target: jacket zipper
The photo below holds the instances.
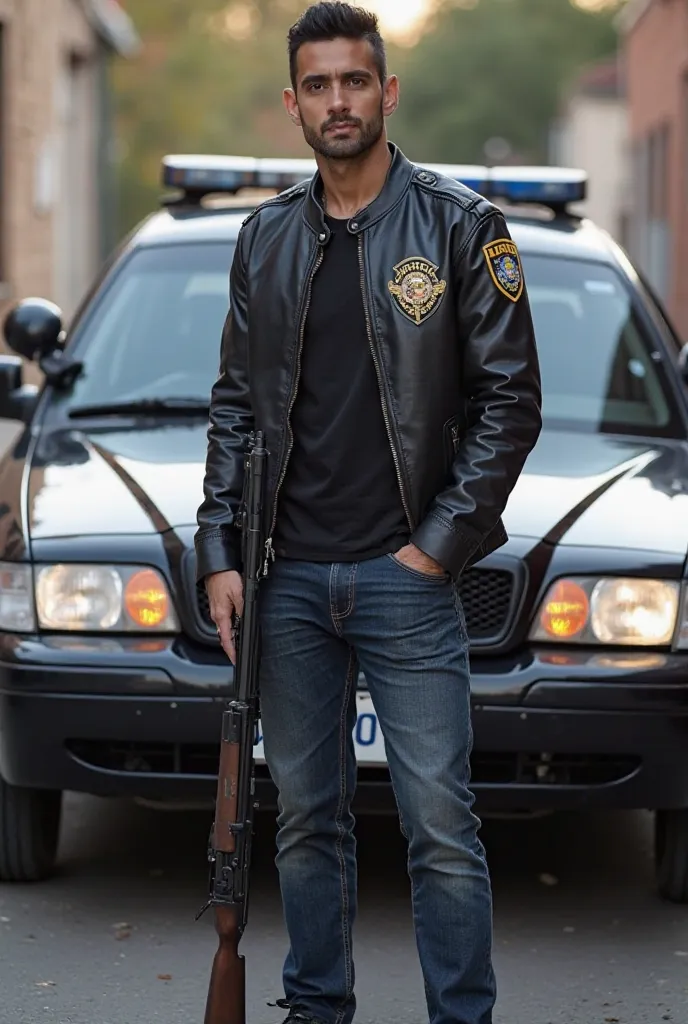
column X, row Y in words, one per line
column 269, row 551
column 385, row 413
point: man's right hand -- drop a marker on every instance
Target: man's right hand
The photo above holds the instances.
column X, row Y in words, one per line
column 226, row 595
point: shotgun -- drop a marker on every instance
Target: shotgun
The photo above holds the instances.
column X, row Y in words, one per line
column 229, row 847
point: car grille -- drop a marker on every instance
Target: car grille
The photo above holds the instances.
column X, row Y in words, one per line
column 489, row 598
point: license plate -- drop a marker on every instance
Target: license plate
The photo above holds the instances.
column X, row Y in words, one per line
column 368, row 741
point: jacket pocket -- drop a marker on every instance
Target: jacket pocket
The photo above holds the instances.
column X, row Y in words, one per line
column 452, row 439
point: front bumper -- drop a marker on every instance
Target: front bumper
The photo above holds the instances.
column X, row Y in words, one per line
column 142, row 718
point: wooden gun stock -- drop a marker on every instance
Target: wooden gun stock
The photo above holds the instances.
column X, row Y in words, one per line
column 227, row 990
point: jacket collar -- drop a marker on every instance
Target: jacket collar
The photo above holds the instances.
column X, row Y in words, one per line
column 396, row 185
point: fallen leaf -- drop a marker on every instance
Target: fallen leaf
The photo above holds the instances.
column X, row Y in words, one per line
column 165, row 977
column 547, row 879
column 45, row 984
column 611, row 1020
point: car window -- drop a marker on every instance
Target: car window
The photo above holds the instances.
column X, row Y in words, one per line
column 596, row 358
column 156, row 331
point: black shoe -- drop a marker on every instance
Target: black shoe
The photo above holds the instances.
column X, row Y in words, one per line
column 295, row 1016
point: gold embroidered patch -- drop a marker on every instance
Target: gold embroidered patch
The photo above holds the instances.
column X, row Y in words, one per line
column 416, row 288
column 505, row 267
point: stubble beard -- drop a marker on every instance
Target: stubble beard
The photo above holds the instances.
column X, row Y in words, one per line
column 369, row 135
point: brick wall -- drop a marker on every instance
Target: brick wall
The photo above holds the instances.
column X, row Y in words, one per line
column 39, row 37
column 656, row 70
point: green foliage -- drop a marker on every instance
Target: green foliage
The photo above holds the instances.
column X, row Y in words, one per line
column 494, row 69
column 211, row 74
column 195, row 88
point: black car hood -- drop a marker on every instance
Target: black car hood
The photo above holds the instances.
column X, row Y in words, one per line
column 575, row 489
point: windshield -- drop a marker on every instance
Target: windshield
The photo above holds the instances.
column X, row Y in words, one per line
column 598, row 370
column 156, row 331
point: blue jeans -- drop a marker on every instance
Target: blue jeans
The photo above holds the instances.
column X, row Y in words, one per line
column 406, row 631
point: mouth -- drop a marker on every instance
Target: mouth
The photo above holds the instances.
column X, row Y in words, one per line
column 342, row 126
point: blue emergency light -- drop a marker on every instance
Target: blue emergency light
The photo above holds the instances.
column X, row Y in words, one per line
column 548, row 186
column 197, row 176
column 203, row 175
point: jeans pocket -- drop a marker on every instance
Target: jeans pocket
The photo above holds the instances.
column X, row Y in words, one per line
column 461, row 617
column 429, row 577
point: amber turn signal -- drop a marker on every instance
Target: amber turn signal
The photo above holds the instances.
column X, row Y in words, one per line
column 146, row 600
column 566, row 610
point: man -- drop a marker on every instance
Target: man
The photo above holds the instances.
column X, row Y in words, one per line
column 379, row 333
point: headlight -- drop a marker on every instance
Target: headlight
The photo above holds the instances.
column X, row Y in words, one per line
column 16, row 598
column 96, row 598
column 630, row 612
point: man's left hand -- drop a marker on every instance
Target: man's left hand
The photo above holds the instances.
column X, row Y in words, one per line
column 417, row 559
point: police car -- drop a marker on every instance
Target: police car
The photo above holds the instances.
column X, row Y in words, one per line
column 111, row 675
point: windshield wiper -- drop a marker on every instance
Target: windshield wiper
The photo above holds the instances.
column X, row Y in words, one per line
column 185, row 405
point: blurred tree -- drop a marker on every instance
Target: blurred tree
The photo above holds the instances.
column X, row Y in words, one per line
column 211, row 73
column 209, row 79
column 495, row 69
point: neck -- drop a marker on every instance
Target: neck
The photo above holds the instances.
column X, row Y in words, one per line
column 351, row 185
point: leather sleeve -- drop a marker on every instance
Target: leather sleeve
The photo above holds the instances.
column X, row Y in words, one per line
column 501, row 380
column 218, row 539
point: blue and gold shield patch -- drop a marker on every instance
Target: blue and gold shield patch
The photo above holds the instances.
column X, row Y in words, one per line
column 505, row 267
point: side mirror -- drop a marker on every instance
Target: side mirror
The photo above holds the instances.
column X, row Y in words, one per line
column 33, row 329
column 17, row 400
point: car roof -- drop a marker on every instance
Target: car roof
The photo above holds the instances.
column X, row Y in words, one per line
column 569, row 236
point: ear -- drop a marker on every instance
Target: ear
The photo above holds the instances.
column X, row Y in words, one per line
column 390, row 95
column 291, row 106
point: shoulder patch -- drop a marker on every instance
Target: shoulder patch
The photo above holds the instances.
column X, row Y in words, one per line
column 504, row 264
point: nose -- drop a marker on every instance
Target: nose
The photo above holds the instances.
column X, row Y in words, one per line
column 339, row 103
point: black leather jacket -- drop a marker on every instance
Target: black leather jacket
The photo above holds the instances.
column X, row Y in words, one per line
column 451, row 335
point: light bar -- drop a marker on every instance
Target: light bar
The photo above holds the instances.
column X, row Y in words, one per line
column 202, row 175
column 544, row 185
column 206, row 174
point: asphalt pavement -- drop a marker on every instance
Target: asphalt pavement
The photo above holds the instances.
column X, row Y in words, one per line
column 580, row 936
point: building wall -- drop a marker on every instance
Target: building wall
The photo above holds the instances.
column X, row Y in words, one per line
column 656, row 76
column 48, row 206
column 592, row 135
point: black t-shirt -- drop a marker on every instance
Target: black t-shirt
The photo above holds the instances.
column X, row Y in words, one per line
column 340, row 498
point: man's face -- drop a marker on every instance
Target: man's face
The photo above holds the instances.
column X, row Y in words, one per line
column 340, row 102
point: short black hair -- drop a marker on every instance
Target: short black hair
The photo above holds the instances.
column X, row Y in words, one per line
column 331, row 19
